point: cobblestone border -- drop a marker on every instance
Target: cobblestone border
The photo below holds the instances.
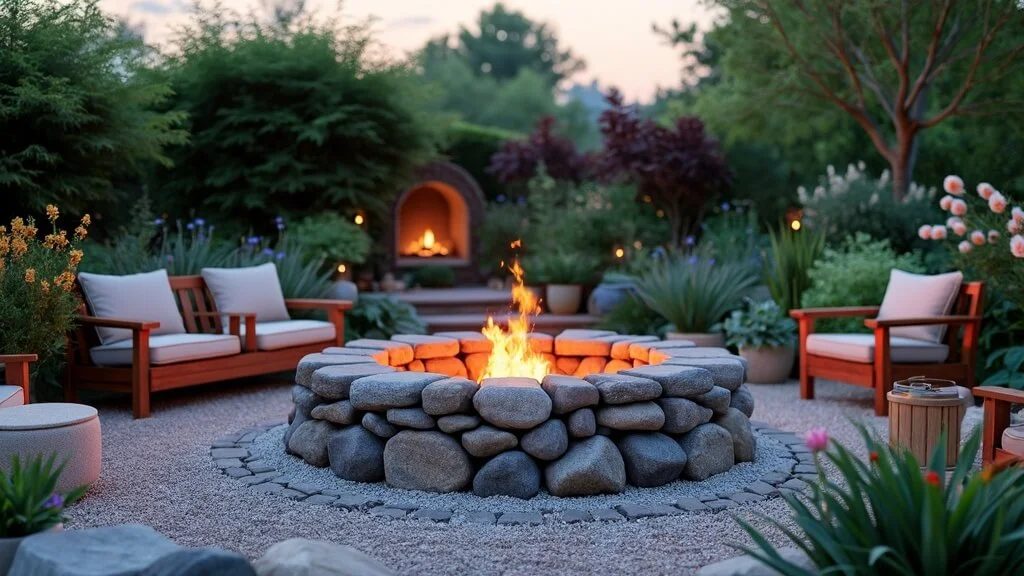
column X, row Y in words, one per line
column 231, row 455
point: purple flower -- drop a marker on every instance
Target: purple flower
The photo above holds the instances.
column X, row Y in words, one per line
column 279, row 255
column 279, row 220
column 725, row 206
column 690, row 240
column 158, row 222
column 190, row 226
column 280, row 225
column 54, row 501
column 692, row 259
column 253, row 240
column 521, row 200
column 711, row 261
column 170, row 258
column 816, row 439
column 267, row 252
column 500, row 198
column 200, row 222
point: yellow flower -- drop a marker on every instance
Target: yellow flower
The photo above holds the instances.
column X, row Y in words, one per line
column 86, row 220
column 76, row 258
column 30, row 275
column 45, row 286
column 18, row 247
column 66, row 280
column 56, row 241
column 5, row 245
column 80, row 232
column 52, row 213
column 3, row 229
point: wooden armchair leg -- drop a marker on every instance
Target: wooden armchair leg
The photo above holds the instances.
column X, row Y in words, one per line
column 806, row 380
column 17, row 374
column 140, row 373
column 997, row 419
column 882, row 371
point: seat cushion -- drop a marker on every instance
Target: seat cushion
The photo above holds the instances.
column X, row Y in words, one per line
column 1013, row 440
column 861, row 348
column 142, row 297
column 168, row 349
column 255, row 289
column 11, row 396
column 919, row 296
column 277, row 335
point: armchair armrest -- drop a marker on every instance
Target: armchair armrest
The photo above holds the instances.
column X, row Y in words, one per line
column 999, row 394
column 997, row 419
column 924, row 321
column 842, row 312
column 117, row 323
column 16, row 371
column 235, row 320
column 317, row 304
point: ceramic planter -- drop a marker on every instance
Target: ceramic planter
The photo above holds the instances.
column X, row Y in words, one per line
column 701, row 339
column 564, row 298
column 768, row 365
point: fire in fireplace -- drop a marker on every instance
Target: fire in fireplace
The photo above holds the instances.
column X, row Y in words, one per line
column 427, row 246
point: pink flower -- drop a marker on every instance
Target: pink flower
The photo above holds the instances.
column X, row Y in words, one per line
column 993, row 236
column 997, row 202
column 985, row 190
column 952, row 220
column 958, row 207
column 978, row 238
column 959, row 228
column 1018, row 214
column 925, row 232
column 1017, row 246
column 954, row 185
column 945, row 203
column 1013, row 226
column 938, row 232
column 816, row 439
column 964, row 247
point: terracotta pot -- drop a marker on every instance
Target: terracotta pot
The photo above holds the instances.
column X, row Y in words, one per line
column 768, row 365
column 701, row 339
column 9, row 546
column 564, row 298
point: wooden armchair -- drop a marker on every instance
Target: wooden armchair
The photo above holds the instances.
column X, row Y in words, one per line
column 16, row 374
column 994, row 442
column 879, row 368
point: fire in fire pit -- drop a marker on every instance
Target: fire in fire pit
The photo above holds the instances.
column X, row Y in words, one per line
column 513, row 354
column 427, row 246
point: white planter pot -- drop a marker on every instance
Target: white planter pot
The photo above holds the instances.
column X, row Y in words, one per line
column 768, row 365
column 701, row 339
column 564, row 298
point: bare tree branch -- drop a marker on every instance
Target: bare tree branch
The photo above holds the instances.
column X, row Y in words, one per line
column 929, row 61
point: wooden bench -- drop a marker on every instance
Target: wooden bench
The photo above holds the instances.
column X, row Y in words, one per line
column 200, row 316
column 997, row 419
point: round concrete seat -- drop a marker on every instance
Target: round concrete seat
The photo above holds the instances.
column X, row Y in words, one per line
column 72, row 431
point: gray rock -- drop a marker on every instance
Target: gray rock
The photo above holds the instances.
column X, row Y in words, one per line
column 743, row 400
column 682, row 415
column 378, row 425
column 546, row 442
column 676, row 381
column 568, row 393
column 449, row 396
column 582, row 423
column 411, row 418
column 430, row 461
column 651, row 459
column 392, row 390
column 744, row 445
column 481, row 517
column 117, row 550
column 457, row 423
column 356, row 454
column 334, row 382
column 726, row 372
column 575, row 516
column 591, row 466
column 521, row 518
column 691, row 505
column 636, row 416
column 717, row 399
column 309, row 442
column 312, row 362
column 623, row 389
column 340, row 412
column 749, row 566
column 432, row 514
column 486, row 441
column 305, row 400
column 510, row 473
column 301, row 557
column 512, row 403
column 634, row 511
column 607, row 515
column 200, row 562
column 708, row 450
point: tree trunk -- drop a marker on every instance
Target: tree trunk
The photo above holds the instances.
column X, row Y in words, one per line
column 900, row 161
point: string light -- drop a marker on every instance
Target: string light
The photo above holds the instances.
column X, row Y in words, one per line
column 359, row 219
column 619, row 252
column 795, row 225
column 342, row 268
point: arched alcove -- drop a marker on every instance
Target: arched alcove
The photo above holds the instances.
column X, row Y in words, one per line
column 432, row 225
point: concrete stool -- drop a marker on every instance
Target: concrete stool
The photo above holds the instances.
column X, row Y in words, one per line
column 72, row 431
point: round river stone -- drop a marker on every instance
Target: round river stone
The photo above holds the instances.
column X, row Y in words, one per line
column 430, row 461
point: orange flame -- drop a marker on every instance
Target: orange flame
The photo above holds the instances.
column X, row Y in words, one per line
column 512, row 354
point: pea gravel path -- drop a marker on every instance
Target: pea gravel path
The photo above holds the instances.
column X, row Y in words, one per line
column 158, row 472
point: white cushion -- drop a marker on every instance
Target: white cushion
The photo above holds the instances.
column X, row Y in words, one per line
column 11, row 396
column 861, row 348
column 255, row 289
column 1013, row 440
column 142, row 297
column 277, row 335
column 919, row 296
column 168, row 349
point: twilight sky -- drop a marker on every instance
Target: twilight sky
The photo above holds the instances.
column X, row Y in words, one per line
column 613, row 36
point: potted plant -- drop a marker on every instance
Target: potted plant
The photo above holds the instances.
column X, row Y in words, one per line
column 564, row 274
column 694, row 294
column 765, row 337
column 29, row 503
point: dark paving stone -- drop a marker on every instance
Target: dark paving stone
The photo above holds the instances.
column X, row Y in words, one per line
column 574, row 516
column 320, row 499
column 389, row 512
column 433, row 514
column 691, row 505
column 268, row 488
column 237, row 472
column 293, row 494
column 635, row 511
column 762, row 488
column 745, row 497
column 794, row 484
column 607, row 515
column 717, row 505
column 521, row 518
column 481, row 517
column 223, row 463
column 229, row 453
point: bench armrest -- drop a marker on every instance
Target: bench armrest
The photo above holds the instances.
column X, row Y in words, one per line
column 842, row 312
column 16, row 371
column 317, row 304
column 117, row 323
column 924, row 321
column 999, row 394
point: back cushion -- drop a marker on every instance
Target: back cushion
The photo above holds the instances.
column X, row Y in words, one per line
column 140, row 297
column 916, row 296
column 255, row 289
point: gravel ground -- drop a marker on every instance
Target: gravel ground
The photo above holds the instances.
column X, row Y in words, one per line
column 158, row 472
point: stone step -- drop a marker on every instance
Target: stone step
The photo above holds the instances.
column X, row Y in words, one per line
column 545, row 323
column 439, row 301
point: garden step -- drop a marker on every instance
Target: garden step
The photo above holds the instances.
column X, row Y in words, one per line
column 433, row 301
column 545, row 323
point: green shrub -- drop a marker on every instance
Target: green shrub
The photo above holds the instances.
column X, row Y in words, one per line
column 787, row 271
column 632, row 316
column 759, row 325
column 331, row 237
column 382, row 316
column 732, row 235
column 562, row 267
column 433, row 276
column 29, row 501
column 471, row 147
column 855, row 274
column 503, row 224
column 887, row 516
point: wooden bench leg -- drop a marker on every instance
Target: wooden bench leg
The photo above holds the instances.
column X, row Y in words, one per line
column 806, row 380
column 140, row 373
column 997, row 418
column 17, row 374
column 882, row 371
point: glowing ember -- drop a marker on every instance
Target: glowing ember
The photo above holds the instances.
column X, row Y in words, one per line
column 512, row 354
column 427, row 245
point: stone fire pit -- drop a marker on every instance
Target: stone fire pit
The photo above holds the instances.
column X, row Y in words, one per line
column 617, row 409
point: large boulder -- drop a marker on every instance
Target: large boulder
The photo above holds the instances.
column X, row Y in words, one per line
column 582, row 423
column 568, row 393
column 508, row 474
column 309, row 441
column 652, row 459
column 487, row 441
column 676, row 381
column 708, row 450
column 591, row 466
column 717, row 399
column 744, row 445
column 682, row 415
column 749, row 566
column 515, row 403
column 391, row 390
column 334, row 382
column 636, row 416
column 356, row 454
column 449, row 396
column 301, row 557
column 743, row 400
column 200, row 562
column 127, row 549
column 623, row 389
column 430, row 461
column 546, row 442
